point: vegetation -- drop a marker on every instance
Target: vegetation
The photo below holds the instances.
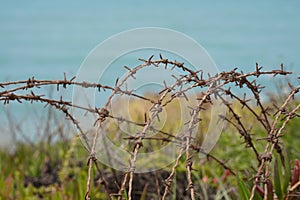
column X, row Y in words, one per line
column 256, row 156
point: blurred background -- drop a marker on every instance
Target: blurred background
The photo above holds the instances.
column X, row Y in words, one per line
column 46, row 38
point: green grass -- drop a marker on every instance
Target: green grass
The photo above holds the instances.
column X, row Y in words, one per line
column 67, row 160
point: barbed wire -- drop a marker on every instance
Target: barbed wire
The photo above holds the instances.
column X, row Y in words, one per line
column 213, row 87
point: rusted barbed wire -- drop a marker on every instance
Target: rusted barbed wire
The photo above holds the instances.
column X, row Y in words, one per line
column 262, row 175
column 213, row 87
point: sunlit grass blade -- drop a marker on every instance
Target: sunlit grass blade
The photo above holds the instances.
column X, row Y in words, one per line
column 144, row 193
column 278, row 178
column 244, row 192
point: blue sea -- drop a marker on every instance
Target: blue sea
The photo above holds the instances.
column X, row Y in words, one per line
column 46, row 38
